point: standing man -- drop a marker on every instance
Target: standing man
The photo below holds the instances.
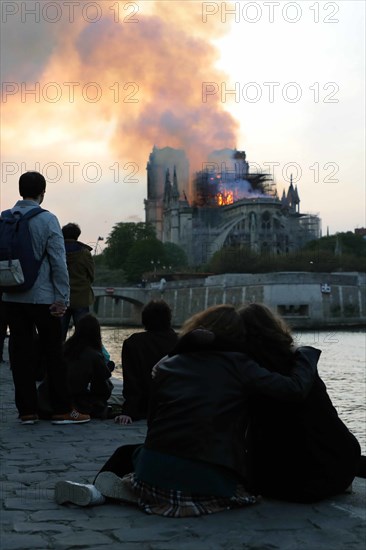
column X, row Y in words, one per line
column 42, row 306
column 80, row 265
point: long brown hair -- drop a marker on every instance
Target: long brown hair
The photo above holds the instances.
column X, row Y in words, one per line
column 87, row 334
column 222, row 320
column 269, row 338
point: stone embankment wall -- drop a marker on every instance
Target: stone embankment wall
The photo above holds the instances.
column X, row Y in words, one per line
column 305, row 300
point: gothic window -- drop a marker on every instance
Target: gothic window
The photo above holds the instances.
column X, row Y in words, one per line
column 266, row 221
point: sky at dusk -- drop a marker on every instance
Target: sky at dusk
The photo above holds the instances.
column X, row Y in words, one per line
column 88, row 88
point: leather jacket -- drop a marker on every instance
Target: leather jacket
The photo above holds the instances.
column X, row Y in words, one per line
column 199, row 403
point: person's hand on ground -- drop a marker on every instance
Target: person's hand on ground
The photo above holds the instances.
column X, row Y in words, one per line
column 123, row 419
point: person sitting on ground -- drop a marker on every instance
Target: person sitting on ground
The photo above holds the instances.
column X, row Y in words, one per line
column 140, row 352
column 313, row 454
column 80, row 266
column 88, row 374
column 193, row 460
column 299, row 453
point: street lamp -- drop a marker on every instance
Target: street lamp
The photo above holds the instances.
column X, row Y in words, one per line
column 154, row 264
column 96, row 244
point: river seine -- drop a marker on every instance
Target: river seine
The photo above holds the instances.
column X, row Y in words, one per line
column 341, row 366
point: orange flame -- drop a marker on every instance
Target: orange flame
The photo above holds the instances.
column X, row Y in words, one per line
column 225, row 198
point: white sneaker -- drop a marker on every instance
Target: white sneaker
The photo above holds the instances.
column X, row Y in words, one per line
column 112, row 486
column 77, row 493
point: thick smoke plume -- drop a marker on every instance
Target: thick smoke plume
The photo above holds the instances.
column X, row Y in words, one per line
column 150, row 73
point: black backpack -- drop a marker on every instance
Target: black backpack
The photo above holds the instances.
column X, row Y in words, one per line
column 18, row 266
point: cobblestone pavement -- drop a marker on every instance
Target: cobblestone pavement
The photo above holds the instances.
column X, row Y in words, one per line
column 35, row 457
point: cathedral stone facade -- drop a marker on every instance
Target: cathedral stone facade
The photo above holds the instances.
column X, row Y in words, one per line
column 222, row 205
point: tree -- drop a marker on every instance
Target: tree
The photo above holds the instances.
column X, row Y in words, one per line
column 140, row 257
column 340, row 243
column 121, row 239
column 232, row 260
column 174, row 256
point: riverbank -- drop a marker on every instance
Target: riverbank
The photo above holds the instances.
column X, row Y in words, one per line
column 35, row 457
column 305, row 300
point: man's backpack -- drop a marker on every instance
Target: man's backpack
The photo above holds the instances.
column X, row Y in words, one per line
column 18, row 266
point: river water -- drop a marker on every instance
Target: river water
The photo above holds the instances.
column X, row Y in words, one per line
column 341, row 366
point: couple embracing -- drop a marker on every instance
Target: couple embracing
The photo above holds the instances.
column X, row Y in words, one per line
column 236, row 411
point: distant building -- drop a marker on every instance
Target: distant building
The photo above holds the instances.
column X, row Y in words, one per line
column 223, row 205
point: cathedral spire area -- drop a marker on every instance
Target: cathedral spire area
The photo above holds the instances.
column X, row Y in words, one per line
column 223, row 204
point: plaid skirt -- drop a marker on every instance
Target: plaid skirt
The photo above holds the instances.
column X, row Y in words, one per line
column 176, row 504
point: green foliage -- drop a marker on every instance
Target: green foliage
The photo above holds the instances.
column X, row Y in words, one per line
column 121, row 240
column 232, row 260
column 317, row 259
column 341, row 243
column 151, row 254
column 99, row 260
column 174, row 256
column 140, row 256
column 132, row 247
column 109, row 277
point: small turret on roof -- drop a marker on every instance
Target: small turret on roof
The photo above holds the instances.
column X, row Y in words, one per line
column 175, row 190
column 284, row 200
column 293, row 196
column 167, row 186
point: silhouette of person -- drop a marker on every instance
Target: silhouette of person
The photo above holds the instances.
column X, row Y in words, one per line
column 88, row 374
column 80, row 266
column 140, row 352
column 42, row 306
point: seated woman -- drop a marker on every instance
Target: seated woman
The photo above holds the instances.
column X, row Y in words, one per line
column 88, row 374
column 302, row 452
column 193, row 460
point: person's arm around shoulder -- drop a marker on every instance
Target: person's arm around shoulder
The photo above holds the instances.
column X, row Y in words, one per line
column 295, row 386
column 156, row 367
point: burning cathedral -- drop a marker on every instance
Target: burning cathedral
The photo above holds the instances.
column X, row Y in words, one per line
column 223, row 205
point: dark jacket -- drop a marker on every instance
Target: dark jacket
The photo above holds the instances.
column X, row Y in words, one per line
column 140, row 352
column 89, row 384
column 80, row 265
column 199, row 405
column 300, row 451
column 303, row 452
